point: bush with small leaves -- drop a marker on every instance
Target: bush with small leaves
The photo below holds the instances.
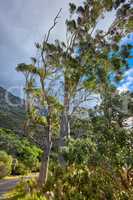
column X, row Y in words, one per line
column 27, row 154
column 5, row 164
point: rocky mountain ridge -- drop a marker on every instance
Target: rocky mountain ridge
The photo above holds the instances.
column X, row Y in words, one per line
column 12, row 112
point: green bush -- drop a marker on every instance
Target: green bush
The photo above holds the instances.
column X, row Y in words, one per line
column 27, row 154
column 79, row 151
column 26, row 190
column 33, row 197
column 5, row 164
column 110, row 146
column 21, row 169
column 78, row 182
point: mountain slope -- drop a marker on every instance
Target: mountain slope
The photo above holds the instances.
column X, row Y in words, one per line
column 12, row 113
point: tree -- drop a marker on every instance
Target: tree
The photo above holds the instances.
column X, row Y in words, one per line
column 84, row 55
column 74, row 68
column 29, row 83
column 102, row 43
column 83, row 63
column 41, row 70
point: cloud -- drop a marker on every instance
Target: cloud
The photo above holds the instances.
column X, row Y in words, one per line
column 22, row 24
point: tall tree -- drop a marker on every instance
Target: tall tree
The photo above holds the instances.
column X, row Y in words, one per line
column 84, row 55
column 101, row 45
column 43, row 105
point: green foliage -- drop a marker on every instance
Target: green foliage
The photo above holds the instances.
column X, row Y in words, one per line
column 78, row 182
column 27, row 154
column 5, row 164
column 26, row 190
column 99, row 163
column 72, row 8
column 21, row 169
column 33, row 197
column 26, row 69
column 83, row 182
column 79, row 150
column 114, row 144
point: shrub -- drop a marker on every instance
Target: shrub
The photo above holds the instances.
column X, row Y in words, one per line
column 26, row 153
column 79, row 150
column 77, row 182
column 5, row 164
column 26, row 190
column 33, row 197
column 21, row 169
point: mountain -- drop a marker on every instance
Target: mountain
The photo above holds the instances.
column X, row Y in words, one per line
column 12, row 112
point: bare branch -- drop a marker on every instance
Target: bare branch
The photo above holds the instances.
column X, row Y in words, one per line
column 46, row 38
column 55, row 22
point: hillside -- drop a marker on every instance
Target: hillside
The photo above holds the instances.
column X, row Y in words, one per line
column 12, row 112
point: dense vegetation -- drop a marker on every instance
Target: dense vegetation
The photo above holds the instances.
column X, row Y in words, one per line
column 98, row 166
column 5, row 164
column 87, row 150
column 19, row 155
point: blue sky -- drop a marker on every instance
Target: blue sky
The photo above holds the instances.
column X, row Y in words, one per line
column 126, row 84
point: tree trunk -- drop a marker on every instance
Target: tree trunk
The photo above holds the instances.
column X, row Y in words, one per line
column 64, row 124
column 107, row 102
column 43, row 175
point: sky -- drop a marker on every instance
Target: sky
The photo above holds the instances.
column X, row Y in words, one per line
column 126, row 84
column 22, row 23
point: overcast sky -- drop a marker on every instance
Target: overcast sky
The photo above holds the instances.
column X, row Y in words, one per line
column 22, row 23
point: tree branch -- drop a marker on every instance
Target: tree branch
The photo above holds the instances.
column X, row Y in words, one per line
column 46, row 38
column 55, row 22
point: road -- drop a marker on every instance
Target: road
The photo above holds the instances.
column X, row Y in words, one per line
column 9, row 183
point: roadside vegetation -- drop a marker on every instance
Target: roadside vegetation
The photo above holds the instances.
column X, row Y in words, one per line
column 17, row 155
column 75, row 130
